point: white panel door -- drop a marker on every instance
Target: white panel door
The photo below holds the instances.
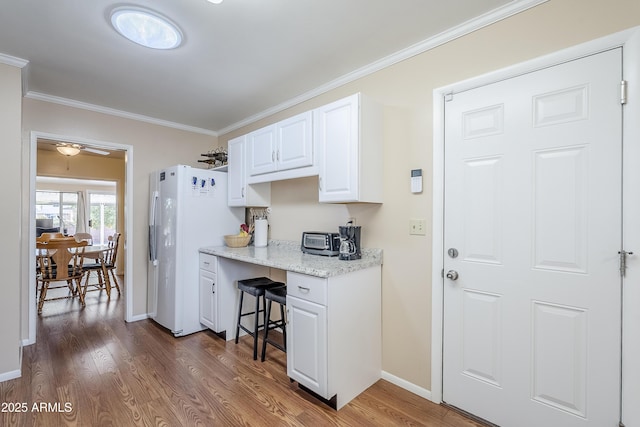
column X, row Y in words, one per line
column 336, row 130
column 307, row 344
column 261, row 151
column 295, row 142
column 208, row 299
column 533, row 210
column 236, row 192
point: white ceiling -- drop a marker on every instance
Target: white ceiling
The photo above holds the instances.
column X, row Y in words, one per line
column 241, row 59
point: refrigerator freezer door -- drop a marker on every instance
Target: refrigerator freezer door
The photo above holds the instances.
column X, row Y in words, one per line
column 152, row 265
column 192, row 212
column 169, row 299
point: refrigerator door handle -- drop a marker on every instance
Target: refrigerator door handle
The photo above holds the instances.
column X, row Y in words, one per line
column 153, row 252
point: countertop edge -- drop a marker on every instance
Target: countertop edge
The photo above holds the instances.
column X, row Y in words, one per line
column 286, row 255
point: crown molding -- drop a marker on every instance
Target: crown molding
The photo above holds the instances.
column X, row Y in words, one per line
column 503, row 12
column 13, row 61
column 118, row 113
column 461, row 30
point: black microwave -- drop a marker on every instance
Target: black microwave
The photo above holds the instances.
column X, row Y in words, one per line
column 320, row 243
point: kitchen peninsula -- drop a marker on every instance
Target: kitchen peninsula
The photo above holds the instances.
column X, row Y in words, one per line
column 333, row 312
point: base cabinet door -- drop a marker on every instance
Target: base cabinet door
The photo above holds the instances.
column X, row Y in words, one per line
column 208, row 300
column 307, row 344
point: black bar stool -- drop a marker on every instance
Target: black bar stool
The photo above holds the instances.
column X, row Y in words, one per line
column 256, row 287
column 278, row 295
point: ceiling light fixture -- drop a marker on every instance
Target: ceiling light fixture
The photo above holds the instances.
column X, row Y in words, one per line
column 68, row 150
column 215, row 1
column 146, row 28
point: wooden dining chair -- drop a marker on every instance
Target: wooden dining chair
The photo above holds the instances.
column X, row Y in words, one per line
column 111, row 256
column 103, row 266
column 59, row 260
column 79, row 237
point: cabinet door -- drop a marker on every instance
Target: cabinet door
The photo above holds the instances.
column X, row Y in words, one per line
column 295, row 142
column 236, row 172
column 307, row 344
column 208, row 299
column 336, row 131
column 261, row 151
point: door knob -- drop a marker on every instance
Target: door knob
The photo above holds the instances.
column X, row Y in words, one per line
column 452, row 275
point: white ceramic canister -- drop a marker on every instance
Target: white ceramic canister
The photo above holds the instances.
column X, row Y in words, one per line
column 260, row 233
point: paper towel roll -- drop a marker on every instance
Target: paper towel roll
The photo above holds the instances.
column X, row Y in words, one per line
column 260, row 236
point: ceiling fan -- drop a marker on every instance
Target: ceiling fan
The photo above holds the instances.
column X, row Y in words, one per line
column 72, row 149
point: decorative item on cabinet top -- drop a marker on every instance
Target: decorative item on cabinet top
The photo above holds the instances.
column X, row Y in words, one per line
column 215, row 158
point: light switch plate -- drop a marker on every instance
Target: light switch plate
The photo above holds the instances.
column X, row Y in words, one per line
column 418, row 227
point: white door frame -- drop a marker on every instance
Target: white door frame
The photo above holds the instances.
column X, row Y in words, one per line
column 630, row 41
column 128, row 220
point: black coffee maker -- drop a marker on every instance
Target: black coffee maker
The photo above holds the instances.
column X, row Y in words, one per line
column 349, row 242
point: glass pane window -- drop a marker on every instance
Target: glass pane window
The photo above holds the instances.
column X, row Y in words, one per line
column 56, row 209
column 102, row 217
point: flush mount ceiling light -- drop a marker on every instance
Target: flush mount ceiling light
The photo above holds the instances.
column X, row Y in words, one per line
column 215, row 1
column 146, row 28
column 68, row 150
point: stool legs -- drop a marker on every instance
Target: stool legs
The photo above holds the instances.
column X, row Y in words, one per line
column 284, row 328
column 266, row 331
column 267, row 328
column 255, row 329
column 256, row 323
column 256, row 287
column 239, row 317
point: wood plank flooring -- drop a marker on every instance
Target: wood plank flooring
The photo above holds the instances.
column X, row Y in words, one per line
column 90, row 368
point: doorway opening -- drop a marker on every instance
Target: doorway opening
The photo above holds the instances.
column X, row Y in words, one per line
column 99, row 177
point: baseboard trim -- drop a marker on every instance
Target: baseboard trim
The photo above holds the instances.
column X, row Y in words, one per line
column 6, row 376
column 137, row 318
column 420, row 391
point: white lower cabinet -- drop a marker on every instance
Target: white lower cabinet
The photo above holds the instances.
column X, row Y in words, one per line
column 208, row 292
column 307, row 344
column 334, row 344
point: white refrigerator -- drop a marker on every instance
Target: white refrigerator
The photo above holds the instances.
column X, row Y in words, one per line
column 187, row 210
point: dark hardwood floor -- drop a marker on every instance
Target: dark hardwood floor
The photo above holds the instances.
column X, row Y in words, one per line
column 90, row 368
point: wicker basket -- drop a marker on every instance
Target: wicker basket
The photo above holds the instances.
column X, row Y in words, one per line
column 236, row 241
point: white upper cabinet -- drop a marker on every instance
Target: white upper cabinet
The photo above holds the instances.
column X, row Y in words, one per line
column 239, row 192
column 340, row 142
column 295, row 142
column 348, row 134
column 261, row 151
column 283, row 150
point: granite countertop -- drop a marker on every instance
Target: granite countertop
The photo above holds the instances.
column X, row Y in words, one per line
column 286, row 255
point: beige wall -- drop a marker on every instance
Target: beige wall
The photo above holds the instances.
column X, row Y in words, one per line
column 405, row 90
column 154, row 147
column 10, row 113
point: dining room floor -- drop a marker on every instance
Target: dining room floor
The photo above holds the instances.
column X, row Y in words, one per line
column 90, row 367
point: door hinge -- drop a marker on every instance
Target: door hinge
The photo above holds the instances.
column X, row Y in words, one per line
column 623, row 92
column 623, row 262
column 448, row 97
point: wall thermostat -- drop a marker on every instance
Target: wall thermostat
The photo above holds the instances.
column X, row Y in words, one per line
column 416, row 180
